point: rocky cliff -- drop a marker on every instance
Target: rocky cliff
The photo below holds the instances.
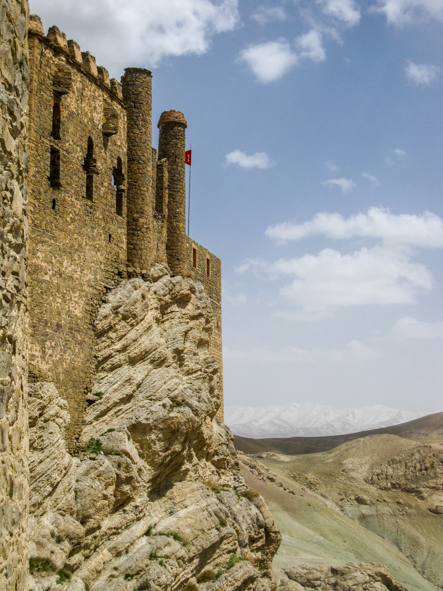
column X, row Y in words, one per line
column 155, row 499
column 14, row 77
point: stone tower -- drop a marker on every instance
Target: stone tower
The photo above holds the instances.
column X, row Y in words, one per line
column 172, row 141
column 137, row 95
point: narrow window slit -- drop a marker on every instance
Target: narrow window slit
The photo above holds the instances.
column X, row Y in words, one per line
column 90, row 166
column 194, row 257
column 56, row 117
column 208, row 267
column 53, row 204
column 54, row 168
column 118, row 179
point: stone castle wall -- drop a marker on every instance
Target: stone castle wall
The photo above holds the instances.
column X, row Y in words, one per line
column 77, row 210
column 102, row 206
column 14, row 496
column 206, row 268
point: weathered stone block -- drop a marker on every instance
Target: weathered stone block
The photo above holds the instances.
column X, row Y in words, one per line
column 35, row 24
column 75, row 51
column 89, row 63
column 103, row 76
column 116, row 88
column 57, row 37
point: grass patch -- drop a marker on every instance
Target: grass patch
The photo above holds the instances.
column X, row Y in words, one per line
column 251, row 493
column 110, row 431
column 222, row 521
column 148, row 531
column 41, row 565
column 220, row 490
column 233, row 561
column 130, row 576
column 99, row 394
column 94, row 446
column 63, row 576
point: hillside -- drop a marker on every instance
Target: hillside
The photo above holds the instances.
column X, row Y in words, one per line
column 367, row 514
column 429, row 427
column 375, row 500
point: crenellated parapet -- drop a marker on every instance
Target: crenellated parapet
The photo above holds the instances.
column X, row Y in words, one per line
column 82, row 61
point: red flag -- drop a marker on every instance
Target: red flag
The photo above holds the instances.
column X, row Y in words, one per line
column 188, row 157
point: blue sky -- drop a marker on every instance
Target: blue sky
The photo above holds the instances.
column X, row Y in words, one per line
column 317, row 138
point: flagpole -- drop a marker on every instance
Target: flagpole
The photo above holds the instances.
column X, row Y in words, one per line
column 189, row 196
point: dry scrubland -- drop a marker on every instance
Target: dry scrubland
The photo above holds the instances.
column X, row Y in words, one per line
column 367, row 514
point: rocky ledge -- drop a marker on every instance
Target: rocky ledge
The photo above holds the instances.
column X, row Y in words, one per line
column 154, row 500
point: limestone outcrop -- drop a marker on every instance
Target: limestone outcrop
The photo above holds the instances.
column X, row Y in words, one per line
column 348, row 577
column 155, row 501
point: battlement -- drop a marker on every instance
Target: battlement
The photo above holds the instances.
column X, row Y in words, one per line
column 103, row 205
column 83, row 61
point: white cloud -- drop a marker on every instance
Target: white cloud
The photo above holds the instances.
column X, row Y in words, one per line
column 410, row 328
column 422, row 74
column 139, row 33
column 425, row 231
column 345, row 11
column 233, row 299
column 346, row 185
column 310, row 46
column 269, row 61
column 396, row 157
column 367, row 175
column 332, row 166
column 257, row 160
column 401, row 12
column 354, row 351
column 266, row 14
column 370, row 276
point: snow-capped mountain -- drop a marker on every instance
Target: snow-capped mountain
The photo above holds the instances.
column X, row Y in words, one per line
column 311, row 420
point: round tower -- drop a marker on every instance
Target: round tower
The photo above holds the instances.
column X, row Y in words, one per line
column 137, row 95
column 172, row 126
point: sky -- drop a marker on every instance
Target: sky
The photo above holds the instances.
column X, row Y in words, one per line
column 317, row 138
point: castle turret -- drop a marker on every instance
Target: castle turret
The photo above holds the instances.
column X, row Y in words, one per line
column 136, row 85
column 172, row 125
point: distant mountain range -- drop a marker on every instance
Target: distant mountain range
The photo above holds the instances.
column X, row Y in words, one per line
column 311, row 420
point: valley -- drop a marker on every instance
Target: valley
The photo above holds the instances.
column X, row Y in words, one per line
column 371, row 507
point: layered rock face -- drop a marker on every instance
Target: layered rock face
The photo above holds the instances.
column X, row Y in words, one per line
column 155, row 500
column 14, row 79
column 348, row 577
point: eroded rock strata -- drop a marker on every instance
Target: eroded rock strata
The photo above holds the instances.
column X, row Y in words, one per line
column 155, row 500
column 347, row 577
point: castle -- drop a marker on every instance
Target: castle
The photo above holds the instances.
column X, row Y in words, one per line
column 103, row 205
column 86, row 203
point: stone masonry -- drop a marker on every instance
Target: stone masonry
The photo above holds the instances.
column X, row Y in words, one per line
column 171, row 147
column 96, row 207
column 141, row 236
column 206, row 268
column 14, row 495
column 77, row 230
column 102, row 206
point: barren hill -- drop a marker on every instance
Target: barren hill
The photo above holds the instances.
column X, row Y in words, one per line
column 424, row 428
column 367, row 514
